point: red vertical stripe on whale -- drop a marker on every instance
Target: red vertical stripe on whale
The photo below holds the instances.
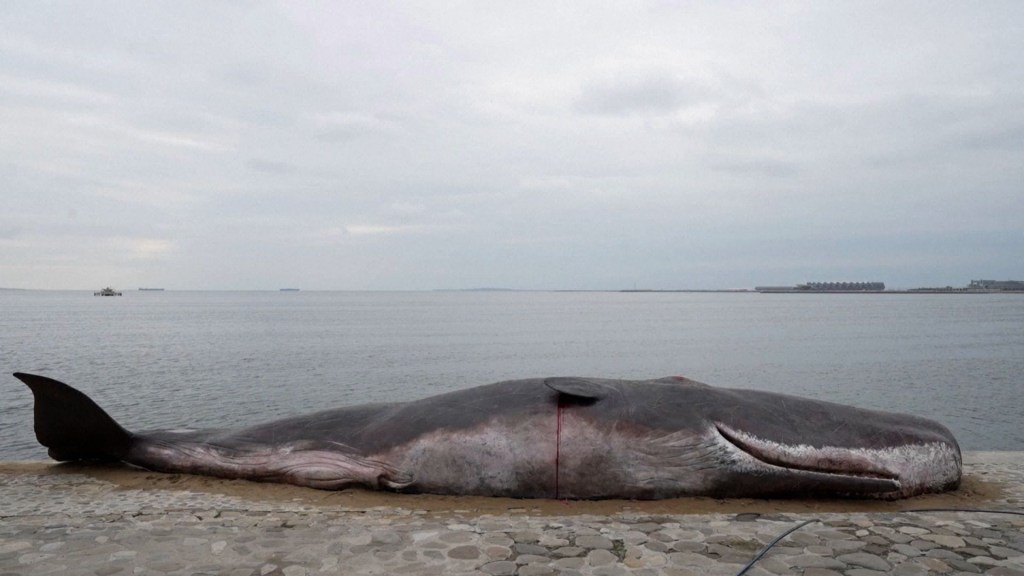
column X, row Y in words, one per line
column 558, row 442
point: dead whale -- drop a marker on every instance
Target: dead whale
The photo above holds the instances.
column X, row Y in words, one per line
column 581, row 438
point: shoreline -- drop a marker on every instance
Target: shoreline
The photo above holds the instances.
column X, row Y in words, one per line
column 73, row 519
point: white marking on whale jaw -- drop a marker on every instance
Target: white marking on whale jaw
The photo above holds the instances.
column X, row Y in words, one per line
column 894, row 472
column 828, row 459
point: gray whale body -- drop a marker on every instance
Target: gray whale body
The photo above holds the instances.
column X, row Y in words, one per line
column 578, row 438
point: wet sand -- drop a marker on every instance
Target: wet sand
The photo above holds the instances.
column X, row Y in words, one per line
column 976, row 491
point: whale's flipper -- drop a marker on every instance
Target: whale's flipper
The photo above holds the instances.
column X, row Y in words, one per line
column 71, row 425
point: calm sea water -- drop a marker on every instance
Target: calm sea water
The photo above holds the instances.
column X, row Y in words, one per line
column 217, row 359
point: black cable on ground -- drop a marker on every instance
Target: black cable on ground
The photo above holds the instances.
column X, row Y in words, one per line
column 771, row 544
column 913, row 510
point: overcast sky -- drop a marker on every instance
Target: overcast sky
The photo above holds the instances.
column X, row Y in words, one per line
column 534, row 145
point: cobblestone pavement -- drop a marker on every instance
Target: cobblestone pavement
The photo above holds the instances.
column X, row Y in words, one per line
column 76, row 524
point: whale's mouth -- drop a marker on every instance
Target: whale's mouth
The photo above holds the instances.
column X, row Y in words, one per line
column 853, row 469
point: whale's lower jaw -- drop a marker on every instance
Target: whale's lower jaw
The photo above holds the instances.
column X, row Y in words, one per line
column 898, row 471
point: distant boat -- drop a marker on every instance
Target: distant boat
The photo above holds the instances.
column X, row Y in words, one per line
column 289, row 289
column 108, row 291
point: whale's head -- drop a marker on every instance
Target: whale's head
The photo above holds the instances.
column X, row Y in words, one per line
column 678, row 436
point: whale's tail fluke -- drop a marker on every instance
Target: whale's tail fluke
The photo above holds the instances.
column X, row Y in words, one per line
column 71, row 425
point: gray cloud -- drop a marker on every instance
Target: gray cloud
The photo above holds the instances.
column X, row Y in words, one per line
column 757, row 167
column 1008, row 138
column 271, row 166
column 646, row 95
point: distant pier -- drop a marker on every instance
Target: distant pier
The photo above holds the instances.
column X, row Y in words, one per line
column 830, row 287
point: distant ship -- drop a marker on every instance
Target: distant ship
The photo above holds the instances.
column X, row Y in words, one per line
column 108, row 291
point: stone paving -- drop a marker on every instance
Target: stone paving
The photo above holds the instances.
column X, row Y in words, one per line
column 76, row 524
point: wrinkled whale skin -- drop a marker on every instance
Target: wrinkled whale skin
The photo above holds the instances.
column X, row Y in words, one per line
column 582, row 438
